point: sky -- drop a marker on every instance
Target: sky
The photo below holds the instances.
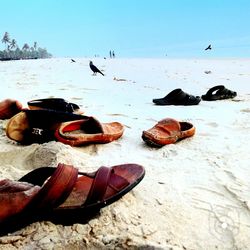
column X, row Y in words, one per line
column 130, row 28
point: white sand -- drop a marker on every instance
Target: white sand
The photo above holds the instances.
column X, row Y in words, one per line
column 196, row 193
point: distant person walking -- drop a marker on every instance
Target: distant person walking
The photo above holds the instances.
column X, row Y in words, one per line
column 113, row 54
column 110, row 54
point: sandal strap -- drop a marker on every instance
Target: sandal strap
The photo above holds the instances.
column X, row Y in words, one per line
column 105, row 185
column 215, row 90
column 56, row 190
column 99, row 185
column 227, row 93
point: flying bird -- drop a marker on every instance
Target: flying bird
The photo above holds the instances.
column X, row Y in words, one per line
column 209, row 47
column 94, row 68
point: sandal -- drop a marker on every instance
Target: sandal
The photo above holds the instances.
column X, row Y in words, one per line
column 37, row 126
column 218, row 93
column 86, row 131
column 58, row 104
column 167, row 131
column 178, row 97
column 63, row 195
column 9, row 108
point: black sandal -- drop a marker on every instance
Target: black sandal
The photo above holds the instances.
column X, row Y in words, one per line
column 38, row 126
column 218, row 93
column 178, row 97
column 58, row 104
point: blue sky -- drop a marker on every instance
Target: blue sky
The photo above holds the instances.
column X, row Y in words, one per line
column 132, row 28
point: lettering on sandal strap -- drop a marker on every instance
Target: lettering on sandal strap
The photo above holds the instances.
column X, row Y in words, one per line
column 37, row 131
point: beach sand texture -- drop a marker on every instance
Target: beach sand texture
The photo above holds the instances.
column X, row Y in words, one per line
column 195, row 194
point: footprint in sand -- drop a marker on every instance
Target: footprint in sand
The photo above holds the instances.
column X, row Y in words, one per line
column 169, row 153
column 151, row 120
column 77, row 98
column 245, row 110
column 70, row 86
column 93, row 149
column 213, row 124
column 117, row 115
column 119, row 79
column 43, row 155
column 88, row 89
column 237, row 100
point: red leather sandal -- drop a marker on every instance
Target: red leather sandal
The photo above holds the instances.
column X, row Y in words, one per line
column 63, row 195
column 168, row 131
column 77, row 133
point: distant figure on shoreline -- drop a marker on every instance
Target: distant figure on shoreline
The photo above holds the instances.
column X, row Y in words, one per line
column 111, row 54
column 94, row 68
column 208, row 47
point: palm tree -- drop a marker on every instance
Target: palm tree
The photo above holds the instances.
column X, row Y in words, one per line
column 6, row 38
column 13, row 44
column 25, row 46
column 25, row 51
column 12, row 51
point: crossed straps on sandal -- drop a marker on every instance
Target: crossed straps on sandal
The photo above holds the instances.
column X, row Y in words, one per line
column 62, row 181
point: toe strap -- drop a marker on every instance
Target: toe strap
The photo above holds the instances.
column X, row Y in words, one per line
column 105, row 184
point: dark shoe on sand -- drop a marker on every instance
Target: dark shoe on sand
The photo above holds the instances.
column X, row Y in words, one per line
column 218, row 93
column 58, row 104
column 178, row 97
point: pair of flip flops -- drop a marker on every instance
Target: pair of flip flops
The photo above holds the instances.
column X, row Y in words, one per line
column 179, row 97
column 168, row 131
column 63, row 195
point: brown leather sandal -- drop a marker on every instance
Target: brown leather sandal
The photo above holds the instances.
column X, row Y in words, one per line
column 167, row 131
column 9, row 108
column 63, row 195
column 77, row 133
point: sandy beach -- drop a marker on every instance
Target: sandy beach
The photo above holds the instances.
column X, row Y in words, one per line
column 196, row 192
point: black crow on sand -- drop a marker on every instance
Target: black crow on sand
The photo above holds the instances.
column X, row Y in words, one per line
column 94, row 68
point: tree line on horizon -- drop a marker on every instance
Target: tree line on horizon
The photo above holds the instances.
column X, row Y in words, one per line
column 13, row 52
